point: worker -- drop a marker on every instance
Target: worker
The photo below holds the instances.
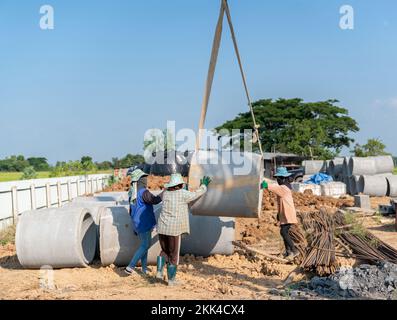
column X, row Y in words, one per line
column 286, row 209
column 142, row 214
column 174, row 222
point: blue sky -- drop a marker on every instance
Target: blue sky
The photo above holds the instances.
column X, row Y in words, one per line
column 110, row 70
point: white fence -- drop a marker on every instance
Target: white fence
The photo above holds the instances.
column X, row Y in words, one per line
column 17, row 197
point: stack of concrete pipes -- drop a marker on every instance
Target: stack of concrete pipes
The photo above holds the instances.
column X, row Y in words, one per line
column 72, row 236
column 372, row 176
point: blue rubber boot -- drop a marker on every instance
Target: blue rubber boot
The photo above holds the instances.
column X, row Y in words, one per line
column 171, row 272
column 160, row 267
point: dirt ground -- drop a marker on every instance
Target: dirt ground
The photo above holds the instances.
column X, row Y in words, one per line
column 240, row 276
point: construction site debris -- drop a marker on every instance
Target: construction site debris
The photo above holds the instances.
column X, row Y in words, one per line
column 365, row 281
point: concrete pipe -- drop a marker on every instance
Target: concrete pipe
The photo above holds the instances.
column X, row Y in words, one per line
column 60, row 238
column 375, row 186
column 100, row 201
column 336, row 167
column 314, row 166
column 355, row 185
column 384, row 164
column 235, row 189
column 346, row 172
column 392, row 186
column 119, row 197
column 94, row 207
column 349, row 187
column 362, row 166
column 117, row 241
column 209, row 236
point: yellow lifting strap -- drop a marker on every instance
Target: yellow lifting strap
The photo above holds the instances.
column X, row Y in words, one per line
column 211, row 72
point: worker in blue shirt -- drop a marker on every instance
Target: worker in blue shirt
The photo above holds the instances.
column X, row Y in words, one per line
column 143, row 218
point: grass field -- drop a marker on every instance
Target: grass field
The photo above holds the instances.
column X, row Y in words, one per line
column 395, row 170
column 14, row 176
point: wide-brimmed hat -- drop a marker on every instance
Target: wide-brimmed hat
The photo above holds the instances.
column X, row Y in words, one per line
column 137, row 174
column 176, row 180
column 282, row 172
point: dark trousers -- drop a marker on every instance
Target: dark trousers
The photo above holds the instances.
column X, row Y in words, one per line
column 170, row 246
column 289, row 244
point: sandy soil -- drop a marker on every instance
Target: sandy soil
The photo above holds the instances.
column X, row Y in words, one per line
column 235, row 277
column 240, row 276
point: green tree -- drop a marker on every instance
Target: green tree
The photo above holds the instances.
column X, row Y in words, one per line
column 87, row 164
column 319, row 128
column 39, row 164
column 105, row 165
column 14, row 163
column 373, row 147
column 29, row 173
column 131, row 160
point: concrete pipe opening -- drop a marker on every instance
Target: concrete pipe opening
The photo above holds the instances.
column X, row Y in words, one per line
column 346, row 172
column 375, row 186
column 60, row 238
column 392, row 186
column 336, row 167
column 235, row 188
column 362, row 166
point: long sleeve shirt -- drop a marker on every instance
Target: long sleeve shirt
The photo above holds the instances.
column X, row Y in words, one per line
column 174, row 217
column 286, row 206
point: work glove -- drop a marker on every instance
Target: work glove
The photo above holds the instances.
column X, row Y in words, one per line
column 205, row 181
column 264, row 185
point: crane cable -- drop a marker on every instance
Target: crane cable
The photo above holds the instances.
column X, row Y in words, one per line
column 211, row 72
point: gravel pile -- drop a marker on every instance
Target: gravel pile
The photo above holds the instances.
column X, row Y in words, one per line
column 365, row 281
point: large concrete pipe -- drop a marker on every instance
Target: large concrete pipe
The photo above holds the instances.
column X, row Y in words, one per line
column 209, row 236
column 117, row 240
column 94, row 207
column 346, row 172
column 118, row 243
column 355, row 185
column 392, row 186
column 384, row 164
column 100, row 201
column 60, row 238
column 235, row 189
column 374, row 185
column 336, row 167
column 362, row 166
column 314, row 166
column 119, row 197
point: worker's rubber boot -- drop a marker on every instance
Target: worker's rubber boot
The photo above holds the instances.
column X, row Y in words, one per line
column 160, row 267
column 171, row 272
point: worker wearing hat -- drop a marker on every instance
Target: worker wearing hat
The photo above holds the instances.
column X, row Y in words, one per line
column 286, row 208
column 174, row 222
column 142, row 214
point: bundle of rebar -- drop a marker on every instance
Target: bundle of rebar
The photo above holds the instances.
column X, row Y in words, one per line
column 364, row 245
column 320, row 252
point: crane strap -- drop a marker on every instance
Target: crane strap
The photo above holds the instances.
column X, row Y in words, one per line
column 211, row 72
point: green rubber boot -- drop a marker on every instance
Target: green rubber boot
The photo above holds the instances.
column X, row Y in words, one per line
column 171, row 272
column 160, row 267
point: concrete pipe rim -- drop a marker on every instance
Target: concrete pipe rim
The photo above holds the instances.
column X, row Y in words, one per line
column 87, row 237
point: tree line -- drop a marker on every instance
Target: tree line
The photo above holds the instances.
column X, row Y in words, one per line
column 62, row 168
column 317, row 130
